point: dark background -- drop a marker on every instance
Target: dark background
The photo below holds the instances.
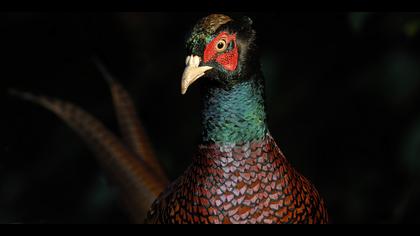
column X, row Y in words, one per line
column 342, row 96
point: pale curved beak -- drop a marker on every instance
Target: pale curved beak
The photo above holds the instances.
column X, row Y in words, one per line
column 192, row 72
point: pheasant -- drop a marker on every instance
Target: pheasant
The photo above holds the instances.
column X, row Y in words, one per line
column 238, row 173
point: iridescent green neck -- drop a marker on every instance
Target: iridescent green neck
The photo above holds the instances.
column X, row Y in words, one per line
column 236, row 114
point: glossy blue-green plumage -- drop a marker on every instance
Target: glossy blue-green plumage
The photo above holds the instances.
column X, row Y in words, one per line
column 234, row 114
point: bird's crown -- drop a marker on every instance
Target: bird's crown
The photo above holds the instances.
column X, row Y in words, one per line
column 205, row 27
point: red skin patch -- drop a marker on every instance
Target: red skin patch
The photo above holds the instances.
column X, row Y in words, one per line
column 228, row 59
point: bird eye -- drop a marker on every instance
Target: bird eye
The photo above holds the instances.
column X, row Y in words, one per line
column 221, row 45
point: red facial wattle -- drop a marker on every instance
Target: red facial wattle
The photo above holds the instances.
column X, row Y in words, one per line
column 229, row 58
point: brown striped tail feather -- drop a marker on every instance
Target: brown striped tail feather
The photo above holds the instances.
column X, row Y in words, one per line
column 138, row 183
column 130, row 125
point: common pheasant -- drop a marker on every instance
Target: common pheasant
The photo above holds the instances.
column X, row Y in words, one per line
column 238, row 174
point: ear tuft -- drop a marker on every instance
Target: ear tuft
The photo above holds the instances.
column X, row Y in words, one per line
column 246, row 20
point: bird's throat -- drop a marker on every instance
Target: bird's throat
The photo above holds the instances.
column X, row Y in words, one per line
column 234, row 115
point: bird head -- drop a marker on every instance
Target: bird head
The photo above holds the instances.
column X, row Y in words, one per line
column 220, row 50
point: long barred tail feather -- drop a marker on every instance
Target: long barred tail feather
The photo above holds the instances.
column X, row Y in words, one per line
column 138, row 182
column 130, row 125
